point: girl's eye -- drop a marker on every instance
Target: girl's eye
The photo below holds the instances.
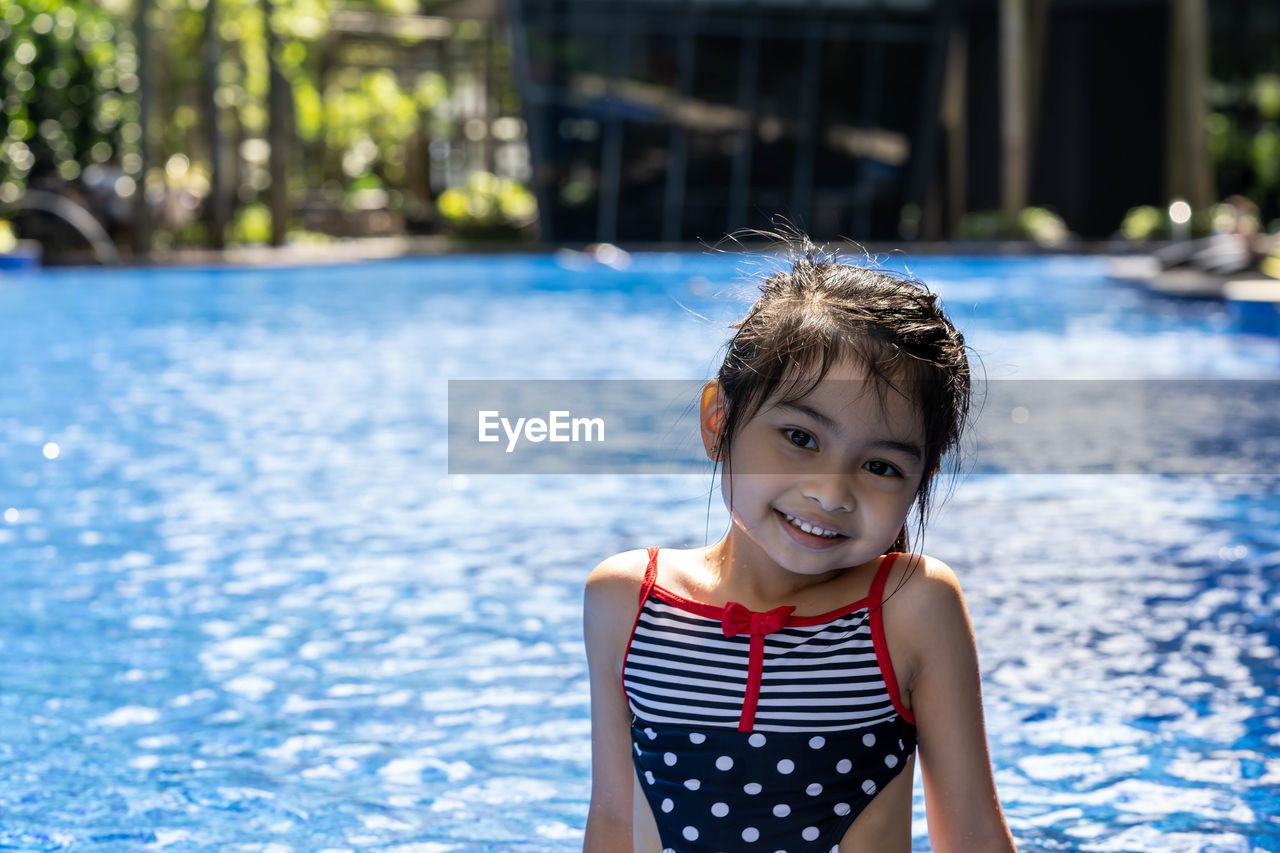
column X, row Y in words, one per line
column 800, row 438
column 877, row 466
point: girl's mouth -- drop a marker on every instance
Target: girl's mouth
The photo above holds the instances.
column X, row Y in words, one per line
column 809, row 534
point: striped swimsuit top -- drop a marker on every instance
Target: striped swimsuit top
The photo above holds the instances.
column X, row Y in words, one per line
column 761, row 730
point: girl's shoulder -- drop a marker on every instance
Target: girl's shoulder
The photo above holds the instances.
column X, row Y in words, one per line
column 614, row 583
column 628, row 567
column 924, row 592
column 930, row 571
column 620, row 568
column 921, row 583
column 611, row 599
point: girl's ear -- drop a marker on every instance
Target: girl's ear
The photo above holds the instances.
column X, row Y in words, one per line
column 712, row 419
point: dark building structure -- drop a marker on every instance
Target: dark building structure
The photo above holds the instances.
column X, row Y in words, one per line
column 679, row 120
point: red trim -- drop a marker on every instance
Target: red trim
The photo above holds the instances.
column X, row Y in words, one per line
column 755, row 671
column 650, row 580
column 755, row 667
column 716, row 611
column 881, row 645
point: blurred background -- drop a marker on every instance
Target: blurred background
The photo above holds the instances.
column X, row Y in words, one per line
column 150, row 128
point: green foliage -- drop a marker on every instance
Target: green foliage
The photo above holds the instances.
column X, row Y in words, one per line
column 68, row 70
column 1244, row 140
column 487, row 203
column 1038, row 224
column 1043, row 226
column 1148, row 222
column 363, row 111
column 1144, row 223
column 252, row 224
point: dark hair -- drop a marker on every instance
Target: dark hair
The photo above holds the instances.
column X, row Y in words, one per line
column 823, row 311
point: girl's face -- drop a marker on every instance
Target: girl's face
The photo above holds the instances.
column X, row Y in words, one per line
column 836, row 462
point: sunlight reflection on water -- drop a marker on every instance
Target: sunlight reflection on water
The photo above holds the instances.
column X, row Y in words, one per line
column 247, row 608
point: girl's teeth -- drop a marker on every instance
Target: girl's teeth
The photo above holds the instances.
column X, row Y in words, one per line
column 810, row 528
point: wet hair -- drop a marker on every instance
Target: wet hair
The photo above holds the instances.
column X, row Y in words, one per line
column 822, row 311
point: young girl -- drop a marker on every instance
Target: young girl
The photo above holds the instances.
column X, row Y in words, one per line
column 770, row 692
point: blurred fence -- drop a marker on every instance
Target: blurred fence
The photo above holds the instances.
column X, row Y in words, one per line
column 197, row 123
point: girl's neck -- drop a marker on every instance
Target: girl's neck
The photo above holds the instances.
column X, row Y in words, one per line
column 742, row 572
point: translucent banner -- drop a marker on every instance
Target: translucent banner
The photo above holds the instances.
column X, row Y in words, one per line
column 1148, row 426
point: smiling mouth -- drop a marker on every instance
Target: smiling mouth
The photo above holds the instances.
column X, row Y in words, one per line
column 811, row 528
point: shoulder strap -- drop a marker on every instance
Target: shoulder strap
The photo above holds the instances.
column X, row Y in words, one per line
column 876, row 596
column 650, row 578
column 878, row 640
column 650, row 574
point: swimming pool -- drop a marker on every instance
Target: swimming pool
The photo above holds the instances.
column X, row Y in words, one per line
column 246, row 607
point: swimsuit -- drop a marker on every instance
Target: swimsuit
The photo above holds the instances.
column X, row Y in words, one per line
column 761, row 730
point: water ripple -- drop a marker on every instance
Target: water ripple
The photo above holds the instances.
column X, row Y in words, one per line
column 247, row 607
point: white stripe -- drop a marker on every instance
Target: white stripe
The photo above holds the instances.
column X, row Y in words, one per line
column 759, row 725
column 672, row 697
column 676, row 619
column 739, row 681
column 798, row 717
column 727, row 713
column 835, row 630
column 685, row 720
column 850, row 702
column 661, row 608
column 824, row 660
column 711, row 683
column 816, row 688
column 667, row 662
column 719, row 643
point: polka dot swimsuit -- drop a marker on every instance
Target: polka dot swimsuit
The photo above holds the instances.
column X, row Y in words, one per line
column 761, row 731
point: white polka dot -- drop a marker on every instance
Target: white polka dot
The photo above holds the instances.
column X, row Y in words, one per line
column 810, row 833
column 753, row 787
column 690, row 833
column 720, row 809
column 842, row 809
column 786, row 765
column 724, row 762
column 900, row 746
column 781, row 810
column 648, row 776
column 835, row 848
column 813, row 790
column 891, row 761
column 669, row 758
column 667, row 805
column 750, row 834
column 756, row 739
column 638, row 752
column 816, row 742
column 868, row 740
column 692, row 784
column 697, row 737
column 869, row 787
column 651, row 733
column 844, row 766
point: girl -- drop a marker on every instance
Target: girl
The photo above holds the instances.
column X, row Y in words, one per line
column 770, row 692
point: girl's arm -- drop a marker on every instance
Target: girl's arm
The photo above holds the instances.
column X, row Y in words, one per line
column 609, row 609
column 946, row 698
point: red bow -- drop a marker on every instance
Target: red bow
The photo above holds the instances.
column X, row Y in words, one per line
column 737, row 619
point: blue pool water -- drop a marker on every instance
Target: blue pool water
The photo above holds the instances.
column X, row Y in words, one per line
column 245, row 606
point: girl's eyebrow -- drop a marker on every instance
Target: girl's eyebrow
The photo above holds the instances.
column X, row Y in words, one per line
column 906, row 447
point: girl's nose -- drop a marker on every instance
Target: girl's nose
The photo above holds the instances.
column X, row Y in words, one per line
column 833, row 492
